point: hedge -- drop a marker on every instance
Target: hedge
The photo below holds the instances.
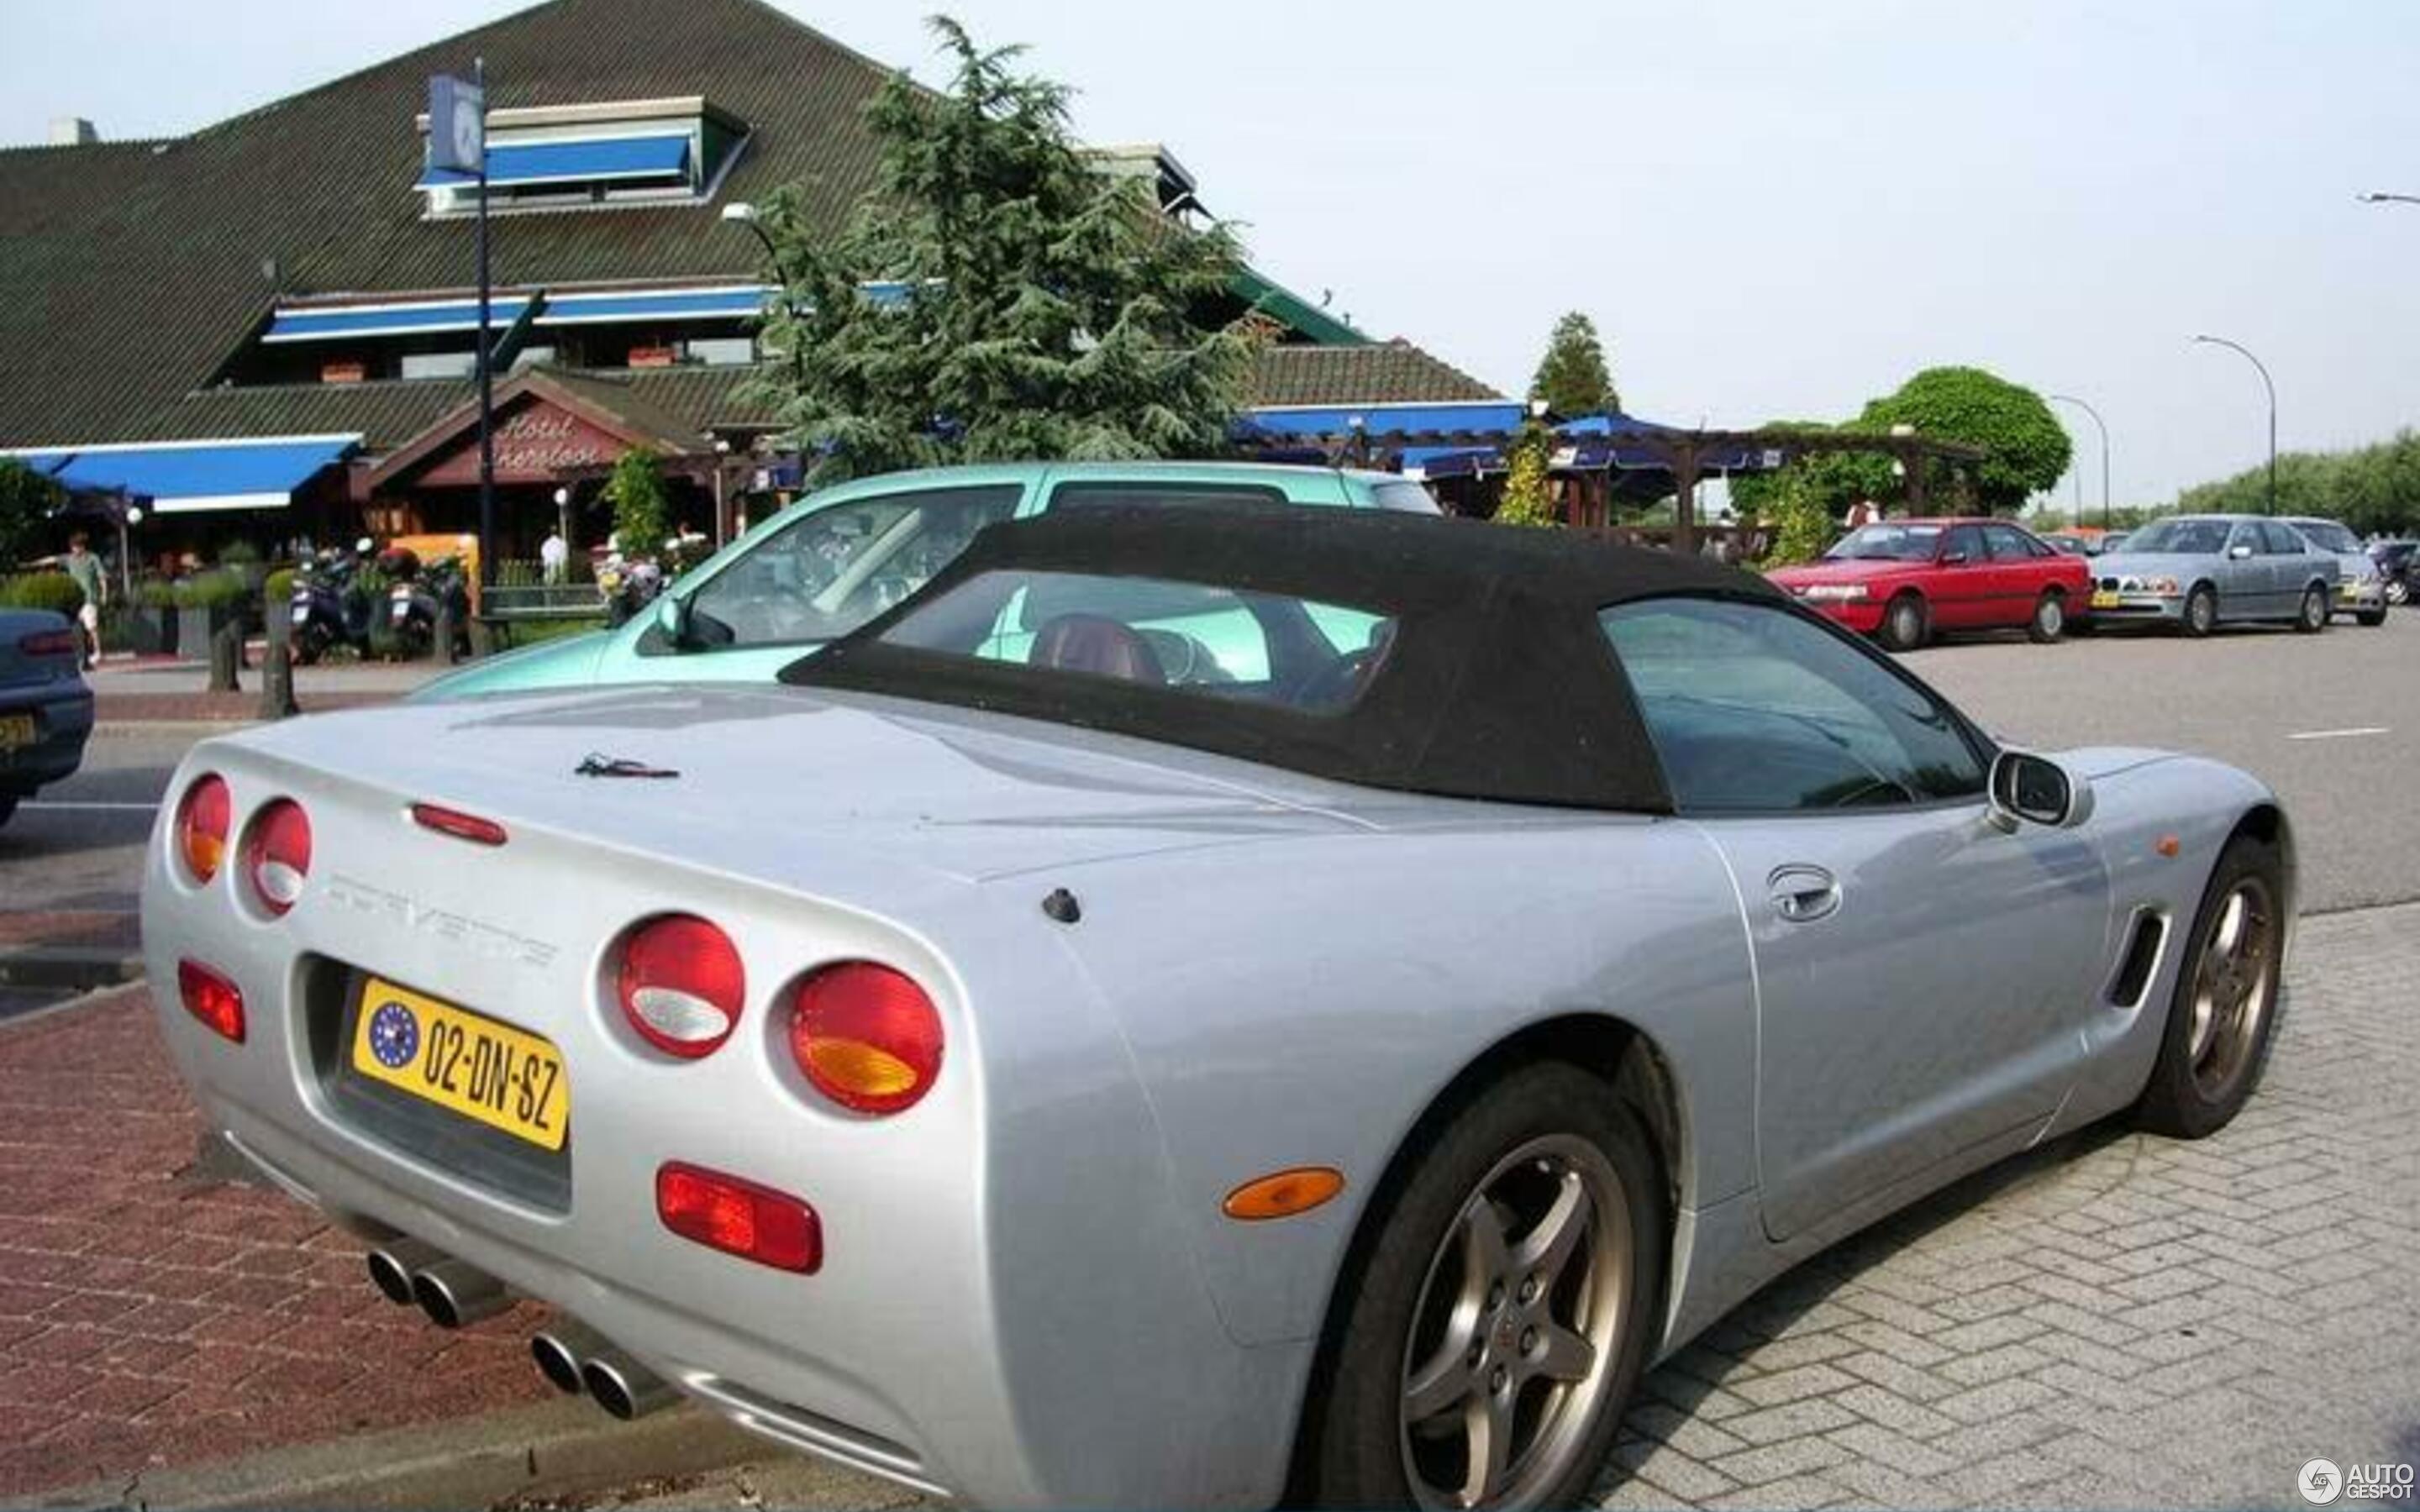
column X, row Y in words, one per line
column 42, row 590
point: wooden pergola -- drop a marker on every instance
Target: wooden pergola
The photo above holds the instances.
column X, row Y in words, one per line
column 1686, row 454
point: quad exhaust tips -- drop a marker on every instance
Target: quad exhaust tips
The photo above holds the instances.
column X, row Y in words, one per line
column 455, row 1295
column 392, row 1266
column 624, row 1387
column 560, row 1349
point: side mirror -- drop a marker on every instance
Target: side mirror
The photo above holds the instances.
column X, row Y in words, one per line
column 672, row 617
column 2238, row 553
column 2030, row 789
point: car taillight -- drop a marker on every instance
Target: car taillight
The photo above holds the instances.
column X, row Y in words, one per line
column 208, row 995
column 49, row 644
column 278, row 856
column 681, row 985
column 456, row 823
column 740, row 1217
column 204, row 815
column 866, row 1036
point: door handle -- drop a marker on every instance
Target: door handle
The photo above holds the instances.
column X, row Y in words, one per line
column 1803, row 894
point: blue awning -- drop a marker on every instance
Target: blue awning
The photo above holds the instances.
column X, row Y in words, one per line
column 746, row 303
column 597, row 160
column 331, row 322
column 1379, row 422
column 187, row 476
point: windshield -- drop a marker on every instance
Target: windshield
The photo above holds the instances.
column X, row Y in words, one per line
column 2327, row 535
column 1218, row 643
column 1887, row 543
column 2182, row 537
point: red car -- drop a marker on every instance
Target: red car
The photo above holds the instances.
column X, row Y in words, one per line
column 1900, row 581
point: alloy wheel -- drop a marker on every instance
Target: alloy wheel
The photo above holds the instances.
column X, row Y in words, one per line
column 1519, row 1323
column 2235, row 981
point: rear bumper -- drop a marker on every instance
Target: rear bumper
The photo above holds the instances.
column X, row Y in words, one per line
column 62, row 723
column 2361, row 597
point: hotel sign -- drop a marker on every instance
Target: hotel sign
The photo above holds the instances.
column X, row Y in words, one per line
column 536, row 443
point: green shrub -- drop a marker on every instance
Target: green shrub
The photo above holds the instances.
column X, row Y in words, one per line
column 240, row 554
column 216, row 589
column 279, row 588
column 42, row 590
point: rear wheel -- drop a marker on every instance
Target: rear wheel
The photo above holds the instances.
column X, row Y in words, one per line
column 2371, row 618
column 2201, row 610
column 1905, row 623
column 2225, row 999
column 1502, row 1315
column 2050, row 618
column 2312, row 617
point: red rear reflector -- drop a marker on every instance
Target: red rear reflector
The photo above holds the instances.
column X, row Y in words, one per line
column 866, row 1036
column 49, row 644
column 209, row 996
column 461, row 826
column 681, row 985
column 204, row 816
column 278, row 856
column 738, row 1217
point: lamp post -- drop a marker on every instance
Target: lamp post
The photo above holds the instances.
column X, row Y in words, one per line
column 2101, row 426
column 2271, row 385
column 741, row 213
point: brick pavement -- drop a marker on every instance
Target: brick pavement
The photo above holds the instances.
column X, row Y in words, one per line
column 2116, row 1320
column 149, row 1316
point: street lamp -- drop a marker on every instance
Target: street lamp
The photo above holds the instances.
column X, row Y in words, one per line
column 2271, row 385
column 740, row 212
column 2103, row 426
column 2377, row 197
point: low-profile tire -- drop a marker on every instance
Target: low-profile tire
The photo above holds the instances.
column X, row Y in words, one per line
column 1905, row 623
column 2311, row 615
column 2222, row 1014
column 2049, row 620
column 2369, row 617
column 2200, row 616
column 1505, row 1291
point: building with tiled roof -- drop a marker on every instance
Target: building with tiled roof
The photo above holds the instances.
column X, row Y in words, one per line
column 297, row 273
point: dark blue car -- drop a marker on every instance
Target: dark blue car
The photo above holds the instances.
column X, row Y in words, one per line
column 45, row 706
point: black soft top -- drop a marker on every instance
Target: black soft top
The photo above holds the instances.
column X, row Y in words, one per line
column 1499, row 683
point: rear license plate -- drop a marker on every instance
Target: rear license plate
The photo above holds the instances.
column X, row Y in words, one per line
column 16, row 731
column 2104, row 598
column 467, row 1062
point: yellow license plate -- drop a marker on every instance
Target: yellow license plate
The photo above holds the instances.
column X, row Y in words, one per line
column 16, row 730
column 504, row 1077
column 2348, row 592
column 2104, row 598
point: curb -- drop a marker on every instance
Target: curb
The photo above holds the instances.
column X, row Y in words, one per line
column 79, row 967
column 552, row 1449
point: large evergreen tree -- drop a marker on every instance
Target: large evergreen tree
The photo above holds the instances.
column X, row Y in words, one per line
column 997, row 297
column 1573, row 378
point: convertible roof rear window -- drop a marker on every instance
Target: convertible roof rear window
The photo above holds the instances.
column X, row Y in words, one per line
column 1205, row 640
column 1367, row 646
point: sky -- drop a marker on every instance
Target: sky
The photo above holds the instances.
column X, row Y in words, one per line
column 1773, row 209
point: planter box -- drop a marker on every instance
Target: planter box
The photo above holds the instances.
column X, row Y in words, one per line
column 194, row 627
column 153, row 630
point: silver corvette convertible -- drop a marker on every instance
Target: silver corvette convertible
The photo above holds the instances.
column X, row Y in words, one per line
column 1195, row 1008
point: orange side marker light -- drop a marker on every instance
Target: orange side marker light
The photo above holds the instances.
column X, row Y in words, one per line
column 2168, row 846
column 1284, row 1194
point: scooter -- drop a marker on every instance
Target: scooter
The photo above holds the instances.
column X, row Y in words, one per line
column 417, row 600
column 327, row 609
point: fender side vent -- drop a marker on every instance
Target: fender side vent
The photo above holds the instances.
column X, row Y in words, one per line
column 2145, row 936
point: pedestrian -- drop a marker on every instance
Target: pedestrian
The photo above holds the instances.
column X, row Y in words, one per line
column 555, row 556
column 84, row 569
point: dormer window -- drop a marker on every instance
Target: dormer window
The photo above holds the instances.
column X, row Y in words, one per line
column 568, row 157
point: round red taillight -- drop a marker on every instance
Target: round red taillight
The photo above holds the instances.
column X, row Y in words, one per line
column 278, row 856
column 681, row 985
column 866, row 1036
column 204, row 816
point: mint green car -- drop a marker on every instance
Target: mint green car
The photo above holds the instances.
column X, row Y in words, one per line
column 837, row 557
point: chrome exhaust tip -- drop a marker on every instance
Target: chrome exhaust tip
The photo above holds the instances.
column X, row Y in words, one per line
column 558, row 1352
column 392, row 1266
column 455, row 1295
column 624, row 1387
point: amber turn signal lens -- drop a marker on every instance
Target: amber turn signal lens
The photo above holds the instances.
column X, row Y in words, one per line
column 1284, row 1194
column 204, row 817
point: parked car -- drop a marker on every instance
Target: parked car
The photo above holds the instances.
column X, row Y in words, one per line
column 2066, row 545
column 2200, row 571
column 2396, row 561
column 840, row 556
column 1023, row 1027
column 2113, row 542
column 2361, row 588
column 45, row 704
column 1904, row 581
